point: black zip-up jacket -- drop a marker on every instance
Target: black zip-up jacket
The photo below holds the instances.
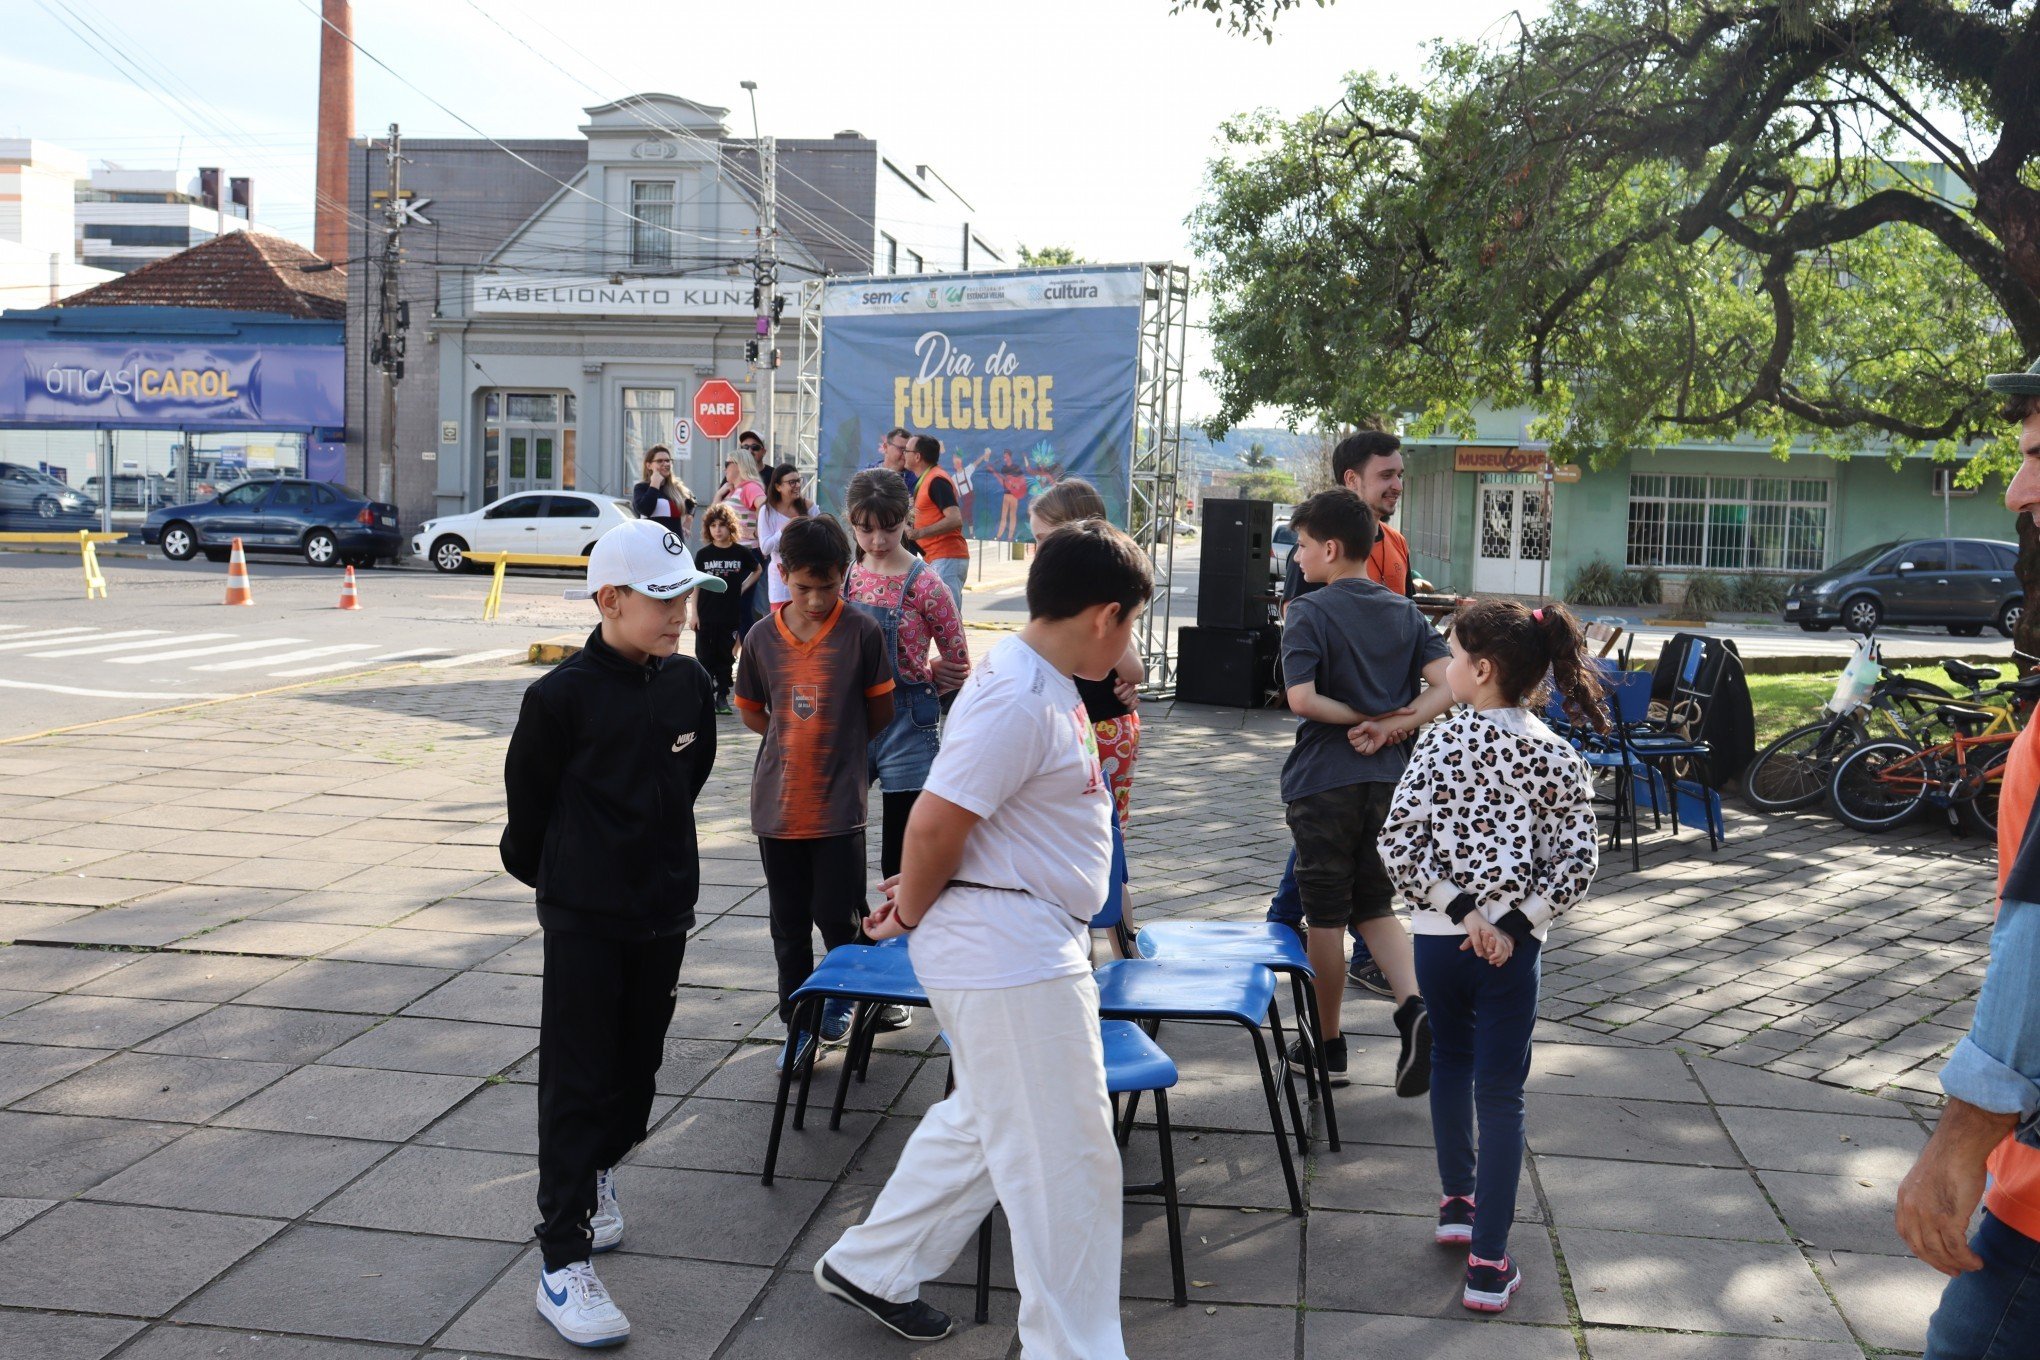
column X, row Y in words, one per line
column 601, row 779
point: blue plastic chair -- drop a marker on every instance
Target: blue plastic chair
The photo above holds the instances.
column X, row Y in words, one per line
column 1150, row 991
column 1276, row 948
column 1134, row 1063
column 870, row 974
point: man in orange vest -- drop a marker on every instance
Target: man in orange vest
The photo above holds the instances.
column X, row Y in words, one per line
column 937, row 526
column 1991, row 1126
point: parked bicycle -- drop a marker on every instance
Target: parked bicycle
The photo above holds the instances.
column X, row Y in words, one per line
column 1882, row 783
column 1797, row 769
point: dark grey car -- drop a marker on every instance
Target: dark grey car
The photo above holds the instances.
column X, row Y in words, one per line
column 1961, row 584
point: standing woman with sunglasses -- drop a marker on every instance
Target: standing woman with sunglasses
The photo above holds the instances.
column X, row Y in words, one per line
column 784, row 504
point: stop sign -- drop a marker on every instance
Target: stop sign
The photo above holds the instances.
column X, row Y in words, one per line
column 717, row 409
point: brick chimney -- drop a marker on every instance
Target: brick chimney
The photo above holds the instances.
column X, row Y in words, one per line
column 336, row 128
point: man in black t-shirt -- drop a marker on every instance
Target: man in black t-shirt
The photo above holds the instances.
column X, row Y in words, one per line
column 716, row 619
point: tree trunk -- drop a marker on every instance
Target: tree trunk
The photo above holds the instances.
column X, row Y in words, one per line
column 2026, row 638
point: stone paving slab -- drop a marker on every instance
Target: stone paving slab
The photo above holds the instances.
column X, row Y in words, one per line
column 361, row 954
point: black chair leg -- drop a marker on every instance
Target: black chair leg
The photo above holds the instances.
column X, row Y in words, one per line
column 1289, row 1080
column 1317, row 1029
column 1169, row 1202
column 812, row 1009
column 1123, row 1123
column 858, row 1019
column 1309, row 1034
column 984, row 1272
column 1275, row 1119
column 778, row 1114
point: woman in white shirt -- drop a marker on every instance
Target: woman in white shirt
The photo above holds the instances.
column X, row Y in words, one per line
column 783, row 505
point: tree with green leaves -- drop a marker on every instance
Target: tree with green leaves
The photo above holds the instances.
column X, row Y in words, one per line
column 1649, row 221
column 1257, row 458
column 1270, row 484
column 1049, row 255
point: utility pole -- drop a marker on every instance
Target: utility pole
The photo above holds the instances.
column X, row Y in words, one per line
column 763, row 351
column 392, row 317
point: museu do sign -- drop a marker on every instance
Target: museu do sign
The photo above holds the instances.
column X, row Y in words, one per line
column 1026, row 378
column 262, row 387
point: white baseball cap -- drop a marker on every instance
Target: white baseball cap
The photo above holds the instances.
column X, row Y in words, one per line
column 647, row 557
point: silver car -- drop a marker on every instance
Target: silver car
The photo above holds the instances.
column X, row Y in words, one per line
column 31, row 499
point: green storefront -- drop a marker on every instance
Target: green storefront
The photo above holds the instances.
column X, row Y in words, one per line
column 1476, row 514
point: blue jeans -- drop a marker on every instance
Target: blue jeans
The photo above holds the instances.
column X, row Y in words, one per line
column 1286, row 909
column 1481, row 1019
column 1993, row 1313
column 954, row 571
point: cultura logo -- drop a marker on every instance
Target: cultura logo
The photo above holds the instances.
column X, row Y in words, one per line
column 1065, row 292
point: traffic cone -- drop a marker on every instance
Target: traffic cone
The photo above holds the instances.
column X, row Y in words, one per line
column 348, row 599
column 237, row 578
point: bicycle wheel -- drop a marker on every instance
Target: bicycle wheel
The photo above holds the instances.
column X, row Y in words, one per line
column 1878, row 785
column 1795, row 770
column 1987, row 776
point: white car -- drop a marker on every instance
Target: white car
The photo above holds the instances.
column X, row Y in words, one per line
column 1281, row 543
column 554, row 523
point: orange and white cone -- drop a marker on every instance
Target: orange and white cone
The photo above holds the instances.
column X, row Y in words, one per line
column 237, row 578
column 348, row 598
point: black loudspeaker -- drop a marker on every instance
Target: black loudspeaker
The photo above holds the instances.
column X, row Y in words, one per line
column 1232, row 667
column 1233, row 584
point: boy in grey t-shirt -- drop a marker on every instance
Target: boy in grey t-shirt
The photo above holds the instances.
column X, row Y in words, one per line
column 1355, row 658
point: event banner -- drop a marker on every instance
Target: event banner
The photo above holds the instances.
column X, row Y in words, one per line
column 252, row 387
column 1026, row 378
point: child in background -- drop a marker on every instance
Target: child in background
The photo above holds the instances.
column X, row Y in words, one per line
column 815, row 683
column 610, row 750
column 1005, row 864
column 1111, row 701
column 910, row 602
column 715, row 617
column 1354, row 655
column 1490, row 835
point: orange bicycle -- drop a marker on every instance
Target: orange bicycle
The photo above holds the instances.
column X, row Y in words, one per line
column 1881, row 783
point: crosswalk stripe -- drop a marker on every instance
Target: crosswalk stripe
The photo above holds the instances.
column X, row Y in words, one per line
column 108, row 693
column 52, row 633
column 469, row 658
column 172, row 641
column 179, row 655
column 13, row 644
column 305, row 655
column 359, row 661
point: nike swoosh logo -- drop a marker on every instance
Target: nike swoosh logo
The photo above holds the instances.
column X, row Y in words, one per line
column 559, row 1300
column 682, row 742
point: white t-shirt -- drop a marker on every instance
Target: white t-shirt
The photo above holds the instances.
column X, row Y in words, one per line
column 771, row 524
column 1018, row 752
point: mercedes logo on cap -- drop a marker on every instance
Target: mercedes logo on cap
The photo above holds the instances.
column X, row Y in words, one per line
column 673, row 545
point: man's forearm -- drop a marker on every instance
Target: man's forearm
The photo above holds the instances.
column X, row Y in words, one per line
column 1968, row 1132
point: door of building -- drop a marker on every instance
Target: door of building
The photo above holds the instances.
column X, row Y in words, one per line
column 1514, row 535
column 527, row 443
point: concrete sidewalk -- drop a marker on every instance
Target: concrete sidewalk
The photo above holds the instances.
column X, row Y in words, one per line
column 267, row 1039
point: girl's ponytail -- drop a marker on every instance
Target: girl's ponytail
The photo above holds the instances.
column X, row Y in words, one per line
column 1573, row 672
column 1527, row 645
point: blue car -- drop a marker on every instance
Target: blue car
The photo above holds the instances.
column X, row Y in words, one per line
column 328, row 525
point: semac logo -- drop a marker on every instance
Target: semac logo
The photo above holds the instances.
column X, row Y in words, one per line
column 1065, row 292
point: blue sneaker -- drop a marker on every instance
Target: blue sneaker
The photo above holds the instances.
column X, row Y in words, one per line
column 1490, row 1284
column 836, row 1016
column 573, row 1300
column 802, row 1049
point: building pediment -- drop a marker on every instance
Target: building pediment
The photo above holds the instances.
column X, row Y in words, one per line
column 652, row 128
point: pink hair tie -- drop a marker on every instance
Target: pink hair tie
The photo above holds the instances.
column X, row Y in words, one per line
column 1537, row 614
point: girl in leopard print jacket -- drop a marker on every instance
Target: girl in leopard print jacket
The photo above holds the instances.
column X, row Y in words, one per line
column 1491, row 833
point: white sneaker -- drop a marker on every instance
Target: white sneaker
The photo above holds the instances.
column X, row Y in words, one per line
column 608, row 1220
column 579, row 1308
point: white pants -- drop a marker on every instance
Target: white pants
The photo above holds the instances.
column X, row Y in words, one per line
column 1029, row 1127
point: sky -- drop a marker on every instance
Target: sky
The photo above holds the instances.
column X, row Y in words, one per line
column 1085, row 123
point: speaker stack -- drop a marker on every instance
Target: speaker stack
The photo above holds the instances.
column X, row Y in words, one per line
column 1229, row 657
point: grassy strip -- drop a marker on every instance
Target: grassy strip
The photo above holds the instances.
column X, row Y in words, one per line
column 1782, row 702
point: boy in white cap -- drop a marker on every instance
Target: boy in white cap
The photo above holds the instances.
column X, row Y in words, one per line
column 609, row 752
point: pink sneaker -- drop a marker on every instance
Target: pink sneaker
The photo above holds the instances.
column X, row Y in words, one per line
column 1490, row 1283
column 1455, row 1220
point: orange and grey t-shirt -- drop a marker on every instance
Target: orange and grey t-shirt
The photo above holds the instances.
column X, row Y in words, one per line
column 811, row 778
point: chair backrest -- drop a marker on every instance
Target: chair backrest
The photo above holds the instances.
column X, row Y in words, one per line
column 1628, row 695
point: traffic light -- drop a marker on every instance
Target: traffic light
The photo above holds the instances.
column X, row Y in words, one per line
column 778, row 306
column 751, row 351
